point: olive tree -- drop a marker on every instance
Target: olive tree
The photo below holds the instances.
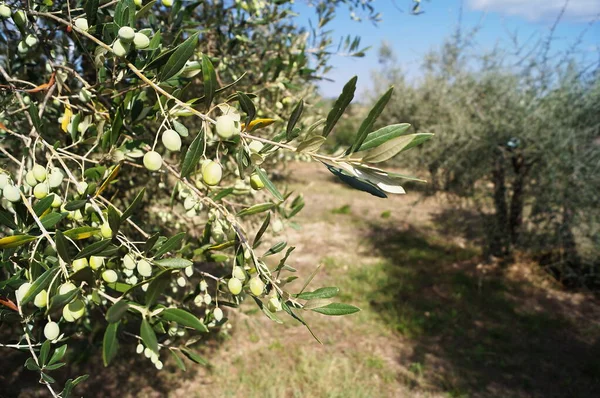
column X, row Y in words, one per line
column 517, row 139
column 138, row 141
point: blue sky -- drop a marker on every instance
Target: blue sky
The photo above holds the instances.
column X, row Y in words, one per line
column 412, row 36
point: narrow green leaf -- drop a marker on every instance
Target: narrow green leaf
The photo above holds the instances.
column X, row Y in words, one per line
column 176, row 262
column 195, row 357
column 62, row 247
column 368, row 123
column 148, row 336
column 9, row 242
column 210, row 80
column 335, row 309
column 178, row 361
column 114, row 219
column 75, row 204
column 276, row 248
column 384, row 134
column 193, row 155
column 59, row 353
column 247, row 106
column 392, row 147
column 266, row 311
column 51, row 219
column 173, row 243
column 44, row 204
column 183, row 318
column 261, row 230
column 321, row 293
column 310, row 278
column 311, row 144
column 59, row 300
column 93, row 249
column 110, row 343
column 116, row 311
column 268, row 184
column 157, row 286
column 340, row 105
column 179, row 57
column 7, row 219
column 44, row 351
column 91, row 11
column 294, row 117
column 81, row 232
column 255, row 209
column 134, row 205
column 35, row 118
column 40, row 284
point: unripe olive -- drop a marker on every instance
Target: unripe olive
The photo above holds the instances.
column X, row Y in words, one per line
column 31, row 40
column 139, row 349
column 11, row 193
column 140, row 41
column 167, row 3
column 119, row 48
column 51, row 331
column 152, row 161
column 181, row 281
column 82, row 24
column 22, row 47
column 144, row 268
column 4, row 180
column 203, row 285
column 238, row 272
column 76, row 308
column 277, row 226
column 41, row 190
column 79, row 264
column 57, row 201
column 30, row 179
column 84, row 96
column 274, row 304
column 138, row 2
column 96, row 262
column 82, row 187
column 255, row 146
column 26, row 98
column 129, row 261
column 212, row 173
column 189, row 203
column 110, row 276
column 41, row 299
column 256, row 182
column 22, row 290
column 126, row 34
column 55, row 178
column 235, row 286
column 159, row 365
column 66, row 288
column 67, row 314
column 218, row 314
column 171, row 140
column 199, row 300
column 4, row 11
column 226, row 126
column 39, row 172
column 20, row 18
column 106, row 231
column 257, row 286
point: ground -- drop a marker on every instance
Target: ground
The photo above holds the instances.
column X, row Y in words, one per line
column 436, row 321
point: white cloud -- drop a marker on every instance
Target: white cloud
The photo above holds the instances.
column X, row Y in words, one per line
column 578, row 10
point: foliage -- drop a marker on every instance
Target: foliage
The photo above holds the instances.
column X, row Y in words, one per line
column 518, row 139
column 137, row 147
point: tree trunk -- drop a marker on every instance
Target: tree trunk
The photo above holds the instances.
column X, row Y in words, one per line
column 499, row 245
column 516, row 203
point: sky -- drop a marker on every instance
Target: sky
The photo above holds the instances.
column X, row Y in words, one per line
column 412, row 36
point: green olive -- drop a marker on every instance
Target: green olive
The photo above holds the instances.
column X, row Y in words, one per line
column 4, row 180
column 144, row 268
column 79, row 264
column 110, row 276
column 235, row 286
column 82, row 23
column 141, row 41
column 138, row 2
column 171, row 140
column 257, row 286
column 84, row 95
column 41, row 299
column 96, row 262
column 11, row 193
column 212, row 173
column 51, row 331
column 30, row 179
column 41, row 190
column 126, row 34
column 106, row 231
column 167, row 3
column 31, row 41
column 274, row 304
column 129, row 261
column 4, row 11
column 120, row 49
column 238, row 272
column 55, row 178
column 225, row 126
column 76, row 308
column 66, row 288
column 256, row 182
column 39, row 172
column 22, row 290
column 153, row 161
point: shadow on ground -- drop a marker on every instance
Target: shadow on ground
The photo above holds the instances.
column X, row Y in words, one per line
column 477, row 332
